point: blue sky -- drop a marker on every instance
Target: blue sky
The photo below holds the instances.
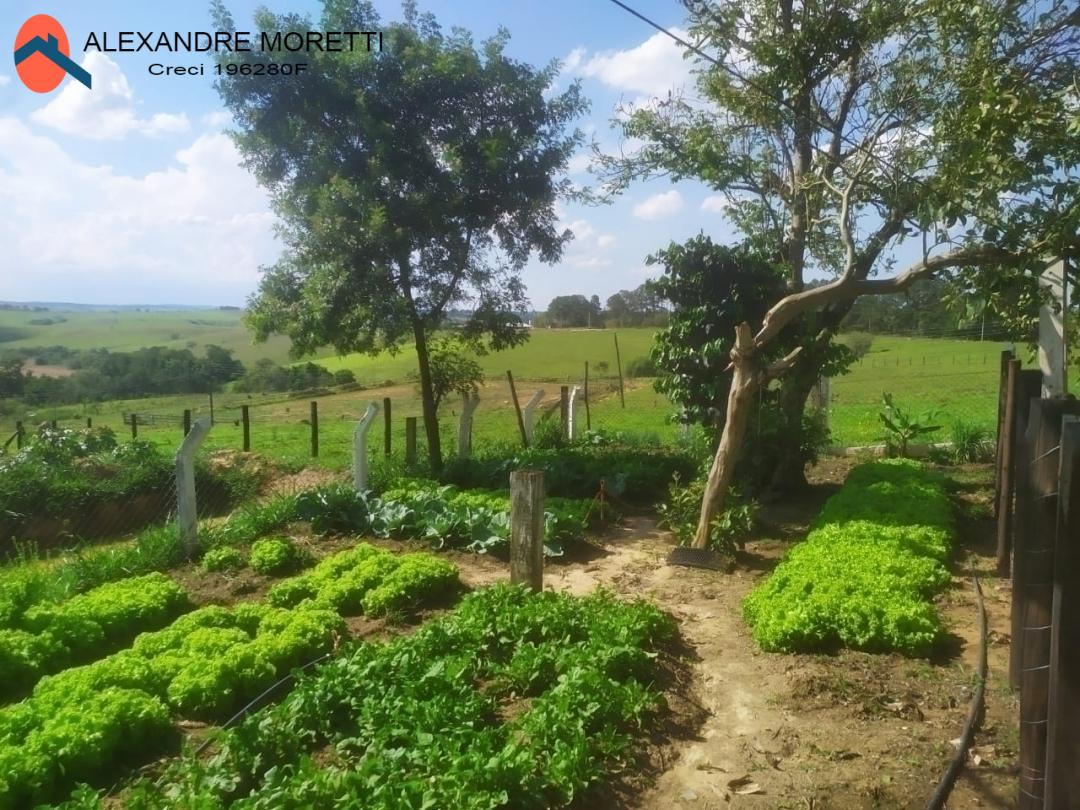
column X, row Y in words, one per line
column 131, row 193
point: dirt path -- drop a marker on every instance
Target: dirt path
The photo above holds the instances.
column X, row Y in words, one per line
column 812, row 732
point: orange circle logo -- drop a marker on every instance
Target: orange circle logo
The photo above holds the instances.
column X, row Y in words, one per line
column 42, row 53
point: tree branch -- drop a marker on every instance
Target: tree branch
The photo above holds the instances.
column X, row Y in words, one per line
column 848, row 287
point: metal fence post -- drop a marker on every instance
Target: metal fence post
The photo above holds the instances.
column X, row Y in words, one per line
column 186, row 506
column 387, row 428
column 360, row 451
column 564, row 410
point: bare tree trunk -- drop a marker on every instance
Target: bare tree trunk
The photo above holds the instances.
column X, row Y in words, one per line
column 740, row 402
column 427, row 397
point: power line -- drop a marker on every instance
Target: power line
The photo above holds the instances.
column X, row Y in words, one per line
column 749, row 83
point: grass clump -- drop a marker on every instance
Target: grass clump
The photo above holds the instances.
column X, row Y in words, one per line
column 865, row 575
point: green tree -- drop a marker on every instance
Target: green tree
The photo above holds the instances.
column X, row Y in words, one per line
column 573, row 311
column 407, row 181
column 837, row 130
column 453, row 371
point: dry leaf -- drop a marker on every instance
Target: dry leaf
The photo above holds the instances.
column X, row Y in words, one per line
column 746, row 790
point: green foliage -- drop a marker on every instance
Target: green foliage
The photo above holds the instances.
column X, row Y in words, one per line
column 277, row 556
column 858, row 343
column 901, row 427
column 453, row 369
column 864, row 576
column 254, row 520
column 334, row 509
column 636, row 475
column 477, row 520
column 970, row 442
column 48, row 637
column 642, row 367
column 224, row 558
column 682, row 508
column 410, row 726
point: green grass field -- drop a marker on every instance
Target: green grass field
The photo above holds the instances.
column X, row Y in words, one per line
column 128, row 330
column 957, row 379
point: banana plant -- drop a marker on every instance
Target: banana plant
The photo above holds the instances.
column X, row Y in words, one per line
column 902, row 427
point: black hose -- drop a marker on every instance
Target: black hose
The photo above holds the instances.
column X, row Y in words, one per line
column 945, row 786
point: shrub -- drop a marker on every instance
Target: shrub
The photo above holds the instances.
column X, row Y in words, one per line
column 970, row 443
column 223, row 558
column 277, row 556
column 864, row 576
column 641, row 367
column 336, row 509
column 858, row 343
column 682, row 508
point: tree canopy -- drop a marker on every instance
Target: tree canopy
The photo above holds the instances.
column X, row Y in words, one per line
column 407, row 181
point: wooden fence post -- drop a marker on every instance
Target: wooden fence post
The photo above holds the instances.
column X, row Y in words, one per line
column 517, row 409
column 187, row 422
column 618, row 365
column 53, row 424
column 314, row 429
column 387, row 427
column 20, row 432
column 410, row 442
column 186, row 506
column 465, row 422
column 1029, row 391
column 134, row 426
column 245, row 420
column 564, row 410
column 1003, row 389
column 1035, row 593
column 527, row 528
column 89, row 423
column 1005, row 477
column 360, row 451
column 1063, row 734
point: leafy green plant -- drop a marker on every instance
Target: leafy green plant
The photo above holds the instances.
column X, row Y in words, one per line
column 682, row 508
column 336, row 509
column 865, row 574
column 970, row 442
column 224, row 558
column 901, row 427
column 409, row 724
column 277, row 556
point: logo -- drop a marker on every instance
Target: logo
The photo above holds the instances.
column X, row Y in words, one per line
column 42, row 55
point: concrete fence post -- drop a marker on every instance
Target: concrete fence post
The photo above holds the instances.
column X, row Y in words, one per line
column 186, row 507
column 360, row 451
column 530, row 413
column 465, row 423
column 572, row 420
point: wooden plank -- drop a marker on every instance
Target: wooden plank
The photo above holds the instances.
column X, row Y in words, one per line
column 527, row 528
column 1063, row 732
column 1006, row 478
column 1003, row 390
column 1036, row 593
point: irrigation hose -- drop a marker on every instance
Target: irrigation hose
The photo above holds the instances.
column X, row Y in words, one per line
column 945, row 786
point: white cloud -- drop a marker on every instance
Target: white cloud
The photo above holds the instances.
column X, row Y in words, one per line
column 581, row 229
column 217, row 119
column 660, row 206
column 195, row 230
column 108, row 111
column 589, row 262
column 578, row 163
column 4, row 80
column 716, row 204
column 605, row 240
column 652, row 68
